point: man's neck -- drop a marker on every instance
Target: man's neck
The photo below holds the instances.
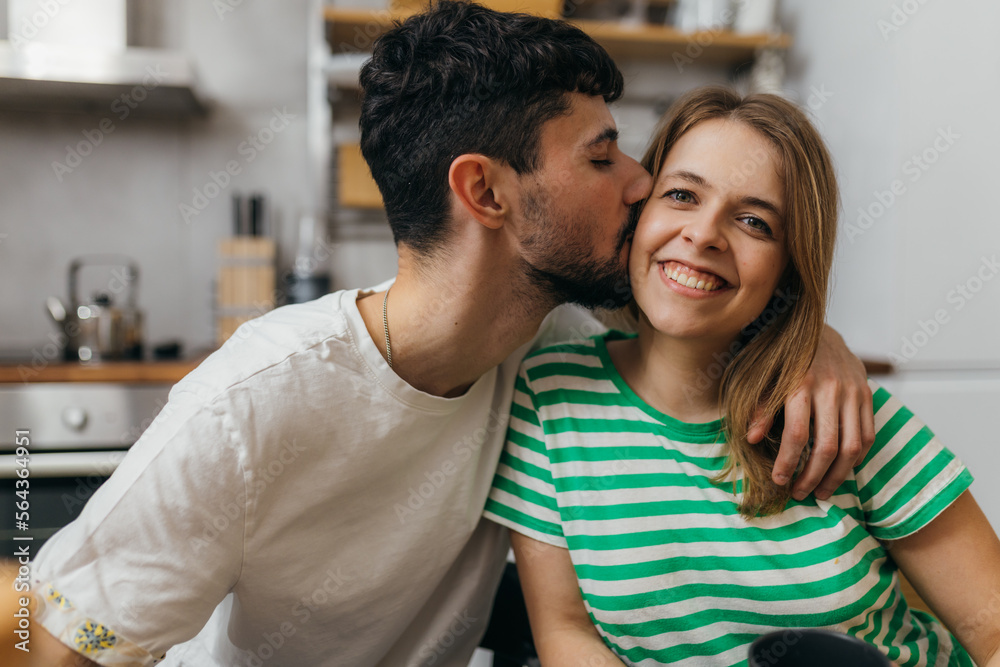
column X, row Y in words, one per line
column 453, row 320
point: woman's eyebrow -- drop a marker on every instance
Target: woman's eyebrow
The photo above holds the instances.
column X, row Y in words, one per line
column 761, row 203
column 688, row 176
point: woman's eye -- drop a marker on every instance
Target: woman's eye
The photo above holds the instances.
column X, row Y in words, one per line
column 679, row 196
column 603, row 163
column 756, row 223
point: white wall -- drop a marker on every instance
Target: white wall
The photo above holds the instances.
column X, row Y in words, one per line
column 954, row 403
column 895, row 83
column 893, row 92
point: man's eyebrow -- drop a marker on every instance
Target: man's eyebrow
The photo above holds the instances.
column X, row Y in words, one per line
column 609, row 134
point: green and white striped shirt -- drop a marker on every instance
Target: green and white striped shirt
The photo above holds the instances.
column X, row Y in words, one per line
column 669, row 571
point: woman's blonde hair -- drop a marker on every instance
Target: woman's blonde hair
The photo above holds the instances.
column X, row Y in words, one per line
column 775, row 351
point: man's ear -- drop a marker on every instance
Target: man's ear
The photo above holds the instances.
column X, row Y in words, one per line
column 479, row 185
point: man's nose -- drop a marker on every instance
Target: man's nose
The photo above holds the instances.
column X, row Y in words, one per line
column 639, row 183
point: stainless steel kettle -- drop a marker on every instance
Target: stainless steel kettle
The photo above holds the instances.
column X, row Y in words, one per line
column 101, row 330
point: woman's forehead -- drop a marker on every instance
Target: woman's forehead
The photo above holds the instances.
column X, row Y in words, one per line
column 729, row 150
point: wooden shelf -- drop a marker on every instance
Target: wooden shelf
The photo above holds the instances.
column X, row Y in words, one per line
column 351, row 33
column 356, row 29
column 661, row 42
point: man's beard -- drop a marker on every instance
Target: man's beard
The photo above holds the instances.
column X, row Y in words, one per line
column 570, row 272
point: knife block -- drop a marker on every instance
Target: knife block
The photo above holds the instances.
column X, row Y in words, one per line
column 245, row 288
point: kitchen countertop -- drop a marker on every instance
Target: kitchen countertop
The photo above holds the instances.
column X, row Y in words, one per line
column 137, row 372
column 141, row 372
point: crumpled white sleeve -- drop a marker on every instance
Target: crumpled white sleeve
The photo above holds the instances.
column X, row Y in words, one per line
column 157, row 547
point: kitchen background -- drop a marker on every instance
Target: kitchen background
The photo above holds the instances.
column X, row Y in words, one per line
column 905, row 92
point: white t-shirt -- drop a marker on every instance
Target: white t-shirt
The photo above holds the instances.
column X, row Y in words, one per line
column 295, row 503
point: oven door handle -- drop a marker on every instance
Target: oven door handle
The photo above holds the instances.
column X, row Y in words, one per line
column 63, row 464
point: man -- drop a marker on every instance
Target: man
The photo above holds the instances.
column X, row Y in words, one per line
column 311, row 494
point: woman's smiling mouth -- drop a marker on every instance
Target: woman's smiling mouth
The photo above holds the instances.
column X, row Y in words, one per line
column 688, row 277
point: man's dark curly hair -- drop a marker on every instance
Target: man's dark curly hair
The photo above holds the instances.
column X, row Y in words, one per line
column 459, row 79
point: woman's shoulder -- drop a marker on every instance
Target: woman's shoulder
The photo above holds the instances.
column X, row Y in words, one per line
column 891, row 414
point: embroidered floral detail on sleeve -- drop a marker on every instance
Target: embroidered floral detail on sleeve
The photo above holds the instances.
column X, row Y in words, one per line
column 56, row 598
column 93, row 637
column 73, row 626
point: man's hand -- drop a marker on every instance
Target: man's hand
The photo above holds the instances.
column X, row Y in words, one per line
column 836, row 395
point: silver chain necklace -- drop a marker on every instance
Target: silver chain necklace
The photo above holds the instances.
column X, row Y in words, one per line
column 385, row 327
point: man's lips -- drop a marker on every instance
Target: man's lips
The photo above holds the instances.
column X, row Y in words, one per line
column 688, row 276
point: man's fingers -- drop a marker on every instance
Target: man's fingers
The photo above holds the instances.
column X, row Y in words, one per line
column 867, row 424
column 824, row 450
column 836, row 395
column 835, row 476
column 850, row 449
column 826, row 440
column 760, row 427
column 794, row 437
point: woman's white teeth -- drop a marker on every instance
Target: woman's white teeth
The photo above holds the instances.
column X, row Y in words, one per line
column 692, row 281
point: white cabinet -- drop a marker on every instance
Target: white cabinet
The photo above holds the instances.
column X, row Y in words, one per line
column 960, row 407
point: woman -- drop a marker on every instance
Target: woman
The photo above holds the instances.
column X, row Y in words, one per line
column 646, row 529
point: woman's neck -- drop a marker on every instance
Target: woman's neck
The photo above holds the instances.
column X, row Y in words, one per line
column 679, row 377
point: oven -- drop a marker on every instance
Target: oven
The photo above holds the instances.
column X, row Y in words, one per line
column 60, row 442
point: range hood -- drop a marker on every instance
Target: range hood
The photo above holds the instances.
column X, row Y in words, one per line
column 139, row 81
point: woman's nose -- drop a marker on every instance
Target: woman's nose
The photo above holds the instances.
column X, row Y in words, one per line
column 704, row 230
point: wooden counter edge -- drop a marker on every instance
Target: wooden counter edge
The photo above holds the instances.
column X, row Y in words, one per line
column 878, row 367
column 172, row 371
column 135, row 372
